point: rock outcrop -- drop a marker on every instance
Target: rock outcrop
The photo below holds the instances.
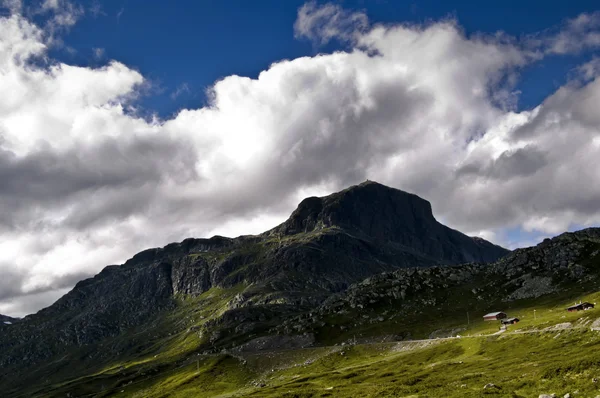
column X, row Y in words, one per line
column 569, row 262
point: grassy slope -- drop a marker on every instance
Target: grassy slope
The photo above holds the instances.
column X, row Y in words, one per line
column 160, row 348
column 522, row 365
column 523, row 362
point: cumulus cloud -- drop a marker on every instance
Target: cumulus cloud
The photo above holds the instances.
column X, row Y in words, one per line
column 86, row 182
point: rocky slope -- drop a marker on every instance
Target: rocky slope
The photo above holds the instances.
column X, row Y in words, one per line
column 326, row 245
column 565, row 265
column 403, row 304
column 7, row 320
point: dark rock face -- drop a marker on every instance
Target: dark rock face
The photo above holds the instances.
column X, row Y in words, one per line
column 7, row 320
column 115, row 300
column 386, row 214
column 326, row 245
column 564, row 263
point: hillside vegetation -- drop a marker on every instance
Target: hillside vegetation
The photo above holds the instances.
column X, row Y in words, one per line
column 555, row 352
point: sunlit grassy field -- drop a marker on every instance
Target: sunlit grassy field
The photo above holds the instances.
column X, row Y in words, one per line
column 524, row 361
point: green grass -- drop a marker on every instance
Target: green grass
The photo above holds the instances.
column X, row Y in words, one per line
column 524, row 361
column 522, row 364
column 213, row 376
column 158, row 348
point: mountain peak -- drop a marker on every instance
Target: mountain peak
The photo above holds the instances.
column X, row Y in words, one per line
column 377, row 212
column 369, row 207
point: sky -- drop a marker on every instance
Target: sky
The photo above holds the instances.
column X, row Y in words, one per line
column 131, row 124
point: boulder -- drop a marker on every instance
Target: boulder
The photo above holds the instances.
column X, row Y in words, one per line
column 491, row 386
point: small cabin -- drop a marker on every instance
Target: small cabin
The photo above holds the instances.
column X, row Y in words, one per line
column 580, row 307
column 494, row 316
column 509, row 321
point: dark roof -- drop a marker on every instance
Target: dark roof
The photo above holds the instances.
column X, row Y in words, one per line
column 510, row 320
column 584, row 304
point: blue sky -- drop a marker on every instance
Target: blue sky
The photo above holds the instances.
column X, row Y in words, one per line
column 189, row 46
column 490, row 112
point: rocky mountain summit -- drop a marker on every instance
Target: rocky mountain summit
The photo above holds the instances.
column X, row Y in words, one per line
column 375, row 212
column 326, row 245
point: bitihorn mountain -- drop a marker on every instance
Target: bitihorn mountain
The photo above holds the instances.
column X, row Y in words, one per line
column 369, row 261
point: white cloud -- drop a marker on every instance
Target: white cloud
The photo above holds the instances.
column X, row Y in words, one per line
column 120, row 13
column 321, row 23
column 14, row 6
column 590, row 70
column 85, row 183
column 98, row 53
column 64, row 13
column 96, row 9
column 575, row 35
column 183, row 88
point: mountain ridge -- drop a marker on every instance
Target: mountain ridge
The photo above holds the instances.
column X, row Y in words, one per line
column 403, row 305
column 326, row 230
column 326, row 245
